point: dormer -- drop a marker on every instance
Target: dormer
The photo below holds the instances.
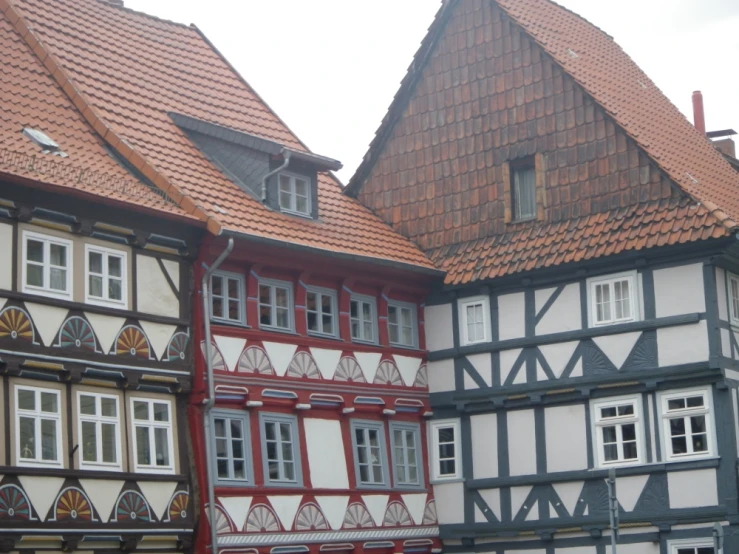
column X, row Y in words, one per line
column 282, row 178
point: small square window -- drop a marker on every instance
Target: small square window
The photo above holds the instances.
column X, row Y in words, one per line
column 227, row 297
column 619, row 431
column 99, row 431
column 232, row 448
column 38, row 427
column 321, row 312
column 523, row 190
column 151, row 421
column 363, row 318
column 276, row 305
column 687, row 424
column 401, row 324
column 106, row 276
column 691, row 546
column 280, row 452
column 446, row 455
column 474, row 320
column 295, row 194
column 406, row 454
column 47, row 265
column 613, row 299
column 370, row 460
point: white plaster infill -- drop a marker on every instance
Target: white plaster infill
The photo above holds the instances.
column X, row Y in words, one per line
column 324, row 536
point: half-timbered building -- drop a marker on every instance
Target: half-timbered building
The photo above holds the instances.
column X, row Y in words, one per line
column 588, row 319
column 309, row 392
column 95, row 348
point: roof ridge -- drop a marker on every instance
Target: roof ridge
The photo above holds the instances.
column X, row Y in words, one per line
column 104, row 130
column 125, row 8
column 585, row 19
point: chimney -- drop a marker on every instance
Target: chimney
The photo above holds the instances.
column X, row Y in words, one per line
column 699, row 117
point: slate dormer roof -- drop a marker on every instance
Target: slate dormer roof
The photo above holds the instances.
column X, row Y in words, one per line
column 466, row 85
column 127, row 72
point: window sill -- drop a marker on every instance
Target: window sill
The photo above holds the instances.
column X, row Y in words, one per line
column 365, row 342
column 297, row 214
column 278, row 330
column 229, row 323
column 48, row 294
column 413, row 348
column 107, row 304
column 613, row 323
column 320, row 336
column 446, row 480
column 89, row 467
column 153, row 471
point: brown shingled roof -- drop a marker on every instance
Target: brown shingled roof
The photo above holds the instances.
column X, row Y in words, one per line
column 131, row 70
column 467, row 101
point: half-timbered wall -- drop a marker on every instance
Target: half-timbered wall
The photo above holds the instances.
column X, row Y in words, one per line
column 527, row 401
column 75, row 356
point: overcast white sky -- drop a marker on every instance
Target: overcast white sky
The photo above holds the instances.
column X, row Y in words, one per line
column 330, row 68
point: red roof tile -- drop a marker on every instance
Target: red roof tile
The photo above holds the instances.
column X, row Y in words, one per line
column 133, row 70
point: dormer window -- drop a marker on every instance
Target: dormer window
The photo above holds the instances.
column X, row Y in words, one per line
column 295, row 194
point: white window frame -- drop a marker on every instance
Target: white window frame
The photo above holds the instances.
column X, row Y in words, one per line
column 462, row 305
column 151, row 424
column 223, row 317
column 334, row 310
column 292, row 209
column 372, row 301
column 46, row 290
column 106, row 252
column 366, row 426
column 733, row 314
column 274, row 284
column 415, row 429
column 434, row 427
column 637, row 419
column 635, row 298
column 243, row 417
column 98, row 420
column 674, row 546
column 414, row 323
column 707, row 410
column 37, row 416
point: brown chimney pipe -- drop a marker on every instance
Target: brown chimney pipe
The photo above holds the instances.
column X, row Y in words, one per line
column 699, row 116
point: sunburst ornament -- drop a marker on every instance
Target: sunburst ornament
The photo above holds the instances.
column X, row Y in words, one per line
column 177, row 348
column 131, row 506
column 303, row 366
column 396, row 515
column 15, row 324
column 77, row 333
column 255, row 360
column 349, row 370
column 357, row 517
column 261, row 519
column 388, row 374
column 132, row 342
column 14, row 503
column 178, row 506
column 73, row 504
column 310, row 518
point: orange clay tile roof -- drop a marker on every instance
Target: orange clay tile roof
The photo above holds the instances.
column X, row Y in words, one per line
column 705, row 204
column 132, row 70
column 30, row 97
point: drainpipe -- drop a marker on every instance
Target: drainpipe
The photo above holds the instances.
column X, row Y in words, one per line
column 210, row 401
column 285, row 153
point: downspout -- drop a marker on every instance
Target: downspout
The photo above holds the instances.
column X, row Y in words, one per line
column 285, row 153
column 210, row 401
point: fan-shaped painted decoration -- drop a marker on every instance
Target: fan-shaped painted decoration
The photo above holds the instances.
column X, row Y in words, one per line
column 422, row 379
column 310, row 518
column 16, row 324
column 349, row 370
column 388, row 374
column 13, row 503
column 73, row 504
column 132, row 506
column 77, row 333
column 223, row 524
column 132, row 342
column 216, row 356
column 397, row 515
column 357, row 517
column 261, row 519
column 429, row 514
column 177, row 347
column 178, row 506
column 255, row 360
column 303, row 366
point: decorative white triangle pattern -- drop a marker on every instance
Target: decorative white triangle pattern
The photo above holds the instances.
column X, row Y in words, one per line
column 376, row 505
column 507, row 359
column 3, row 302
column 558, row 355
column 368, row 361
column 552, row 511
column 334, row 509
column 158, row 335
column 416, row 504
column 518, row 495
column 286, row 507
column 157, row 494
column 408, row 367
column 483, row 364
column 533, row 514
column 630, row 489
column 173, row 270
column 237, row 508
column 103, row 494
column 41, row 491
column 617, row 347
column 568, row 494
column 106, row 329
column 577, row 370
column 47, row 320
column 520, row 376
column 231, row 349
column 492, row 499
column 326, row 360
column 540, row 374
column 280, row 354
column 479, row 516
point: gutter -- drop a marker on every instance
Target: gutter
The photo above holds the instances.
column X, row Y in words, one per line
column 211, row 399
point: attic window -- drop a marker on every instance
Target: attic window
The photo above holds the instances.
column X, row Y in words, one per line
column 295, row 194
column 43, row 141
column 523, row 190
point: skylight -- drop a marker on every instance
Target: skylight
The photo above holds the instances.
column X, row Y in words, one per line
column 43, row 141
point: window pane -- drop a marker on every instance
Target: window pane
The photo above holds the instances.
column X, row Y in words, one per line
column 115, row 266
column 392, row 315
column 283, row 318
column 217, row 307
column 96, row 286
column 446, row 450
column 626, row 410
column 629, row 432
column 281, row 297
column 610, row 452
column 234, row 310
column 285, row 198
column 87, row 405
column 216, row 283
column 89, row 442
column 677, row 427
column 162, row 446
column 301, row 187
column 58, row 279
column 695, row 401
column 49, row 403
column 407, row 337
column 58, row 255
column 447, row 467
column 222, row 468
column 239, row 470
column 35, row 251
column 328, row 324
column 289, row 468
column 270, row 431
column 609, row 435
column 26, row 400
column 679, row 445
column 234, row 289
column 115, row 289
column 301, row 204
column 143, row 454
column 366, row 311
column 161, row 412
column 700, row 443
column 608, row 412
column 236, row 431
column 48, row 440
column 34, row 275
column 108, row 407
column 108, row 440
column 630, row 451
column 393, row 333
column 354, row 308
column 446, row 434
column 311, row 301
column 698, row 424
column 96, row 262
column 285, row 183
column 312, row 321
column 676, row 404
column 27, row 437
column 141, row 410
